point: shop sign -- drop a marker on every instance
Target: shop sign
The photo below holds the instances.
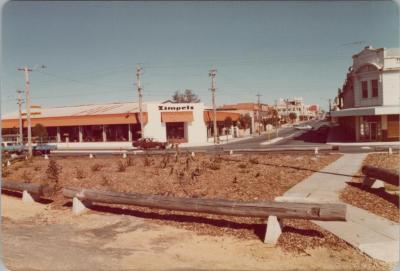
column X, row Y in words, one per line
column 175, row 107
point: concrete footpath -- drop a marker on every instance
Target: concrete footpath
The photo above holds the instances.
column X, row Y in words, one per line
column 376, row 236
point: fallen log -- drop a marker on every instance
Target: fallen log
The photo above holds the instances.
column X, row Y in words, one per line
column 312, row 211
column 32, row 188
column 388, row 176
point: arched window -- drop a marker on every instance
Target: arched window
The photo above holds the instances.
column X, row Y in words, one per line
column 367, row 68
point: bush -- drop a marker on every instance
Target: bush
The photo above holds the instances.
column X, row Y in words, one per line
column 53, row 171
column 215, row 166
column 147, row 161
column 96, row 167
column 105, row 181
column 79, row 173
column 37, row 168
column 5, row 172
column 121, row 166
column 129, row 161
column 27, row 176
column 242, row 165
column 253, row 160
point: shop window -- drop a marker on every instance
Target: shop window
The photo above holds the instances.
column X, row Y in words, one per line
column 374, row 84
column 92, row 133
column 117, row 132
column 364, row 89
column 70, row 132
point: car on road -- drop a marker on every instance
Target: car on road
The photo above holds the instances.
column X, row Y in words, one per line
column 303, row 127
column 16, row 148
column 149, row 143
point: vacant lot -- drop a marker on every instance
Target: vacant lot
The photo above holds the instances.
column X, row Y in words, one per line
column 236, row 177
column 377, row 201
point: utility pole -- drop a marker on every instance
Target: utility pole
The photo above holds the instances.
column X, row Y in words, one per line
column 19, row 102
column 212, row 74
column 26, row 71
column 259, row 113
column 330, row 105
column 139, row 89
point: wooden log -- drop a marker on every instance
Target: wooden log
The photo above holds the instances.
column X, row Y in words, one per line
column 32, row 188
column 388, row 176
column 313, row 211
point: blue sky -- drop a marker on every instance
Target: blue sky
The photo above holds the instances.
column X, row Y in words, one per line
column 279, row 49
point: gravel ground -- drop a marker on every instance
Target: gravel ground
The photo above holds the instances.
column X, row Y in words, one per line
column 236, row 177
column 377, row 201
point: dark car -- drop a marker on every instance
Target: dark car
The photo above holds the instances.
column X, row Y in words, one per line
column 149, row 143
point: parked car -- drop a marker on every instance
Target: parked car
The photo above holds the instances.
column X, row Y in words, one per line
column 303, row 127
column 16, row 148
column 149, row 143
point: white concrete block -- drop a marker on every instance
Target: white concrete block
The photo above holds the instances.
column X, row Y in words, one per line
column 124, row 155
column 8, row 163
column 46, row 157
column 90, row 156
column 193, row 154
column 231, row 152
column 273, row 232
column 378, row 184
column 27, row 198
column 390, row 151
column 78, row 206
column 316, row 150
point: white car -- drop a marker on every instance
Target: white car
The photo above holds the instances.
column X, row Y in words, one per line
column 303, row 127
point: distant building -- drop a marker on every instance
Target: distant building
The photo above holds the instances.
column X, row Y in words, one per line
column 295, row 105
column 368, row 105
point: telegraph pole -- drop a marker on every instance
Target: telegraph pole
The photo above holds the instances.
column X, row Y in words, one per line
column 19, row 102
column 212, row 74
column 28, row 107
column 259, row 113
column 139, row 89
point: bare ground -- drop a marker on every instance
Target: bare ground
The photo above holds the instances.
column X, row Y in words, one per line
column 38, row 237
column 375, row 200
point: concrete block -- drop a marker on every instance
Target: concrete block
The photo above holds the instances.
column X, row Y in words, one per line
column 231, row 152
column 273, row 231
column 124, row 155
column 79, row 207
column 390, row 150
column 90, row 156
column 378, row 184
column 316, row 150
column 46, row 157
column 193, row 154
column 8, row 163
column 28, row 198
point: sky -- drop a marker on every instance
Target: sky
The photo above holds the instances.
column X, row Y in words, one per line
column 277, row 49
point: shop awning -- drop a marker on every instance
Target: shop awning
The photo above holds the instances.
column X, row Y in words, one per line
column 221, row 116
column 131, row 118
column 185, row 116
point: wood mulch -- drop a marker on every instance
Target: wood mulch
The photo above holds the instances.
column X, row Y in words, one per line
column 236, row 177
column 377, row 201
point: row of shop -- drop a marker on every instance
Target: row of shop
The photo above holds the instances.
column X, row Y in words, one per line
column 119, row 122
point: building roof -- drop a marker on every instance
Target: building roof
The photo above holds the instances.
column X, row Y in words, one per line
column 81, row 110
column 367, row 111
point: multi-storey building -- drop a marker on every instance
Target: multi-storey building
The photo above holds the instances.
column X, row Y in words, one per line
column 368, row 105
column 297, row 106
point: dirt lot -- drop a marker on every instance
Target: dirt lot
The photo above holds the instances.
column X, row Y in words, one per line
column 38, row 237
column 377, row 201
column 239, row 177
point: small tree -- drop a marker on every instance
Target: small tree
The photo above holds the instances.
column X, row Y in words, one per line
column 188, row 96
column 245, row 121
column 53, row 173
column 39, row 131
column 292, row 116
column 228, row 124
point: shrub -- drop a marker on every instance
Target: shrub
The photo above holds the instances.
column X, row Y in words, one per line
column 147, row 161
column 27, row 176
column 253, row 160
column 242, row 165
column 79, row 173
column 37, row 168
column 53, row 171
column 96, row 167
column 105, row 180
column 5, row 172
column 215, row 166
column 121, row 166
column 129, row 161
column 258, row 174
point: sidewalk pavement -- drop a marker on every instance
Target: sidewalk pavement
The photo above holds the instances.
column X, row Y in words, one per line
column 376, row 236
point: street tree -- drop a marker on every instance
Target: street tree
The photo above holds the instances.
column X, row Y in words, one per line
column 292, row 116
column 188, row 96
column 245, row 121
column 39, row 131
